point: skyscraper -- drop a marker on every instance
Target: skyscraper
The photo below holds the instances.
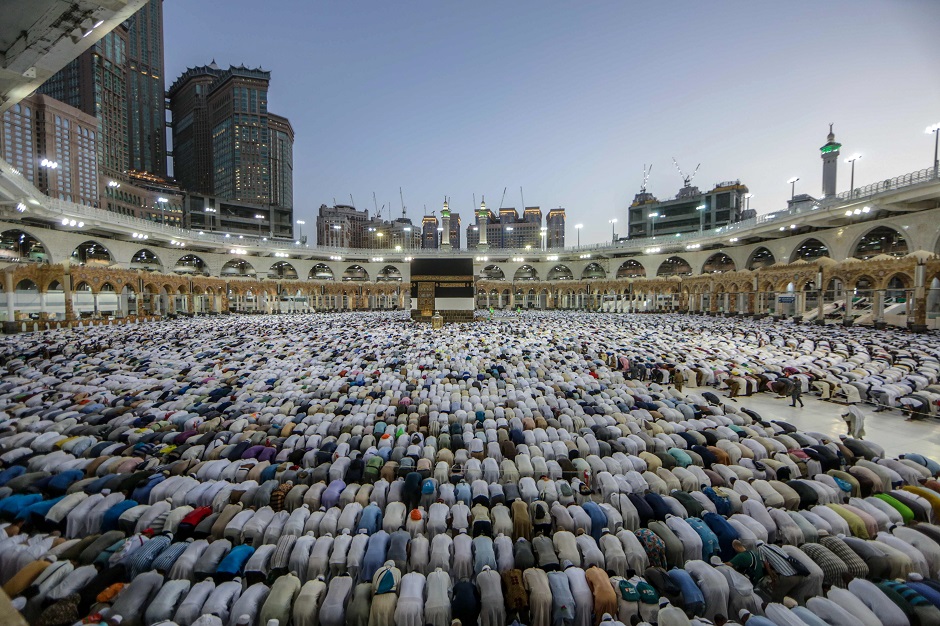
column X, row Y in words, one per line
column 225, row 143
column 192, row 147
column 96, row 83
column 281, row 135
column 146, row 100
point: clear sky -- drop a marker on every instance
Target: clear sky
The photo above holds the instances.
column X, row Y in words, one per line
column 570, row 99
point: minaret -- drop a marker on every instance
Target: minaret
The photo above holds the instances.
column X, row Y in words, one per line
column 482, row 221
column 445, row 223
column 830, row 156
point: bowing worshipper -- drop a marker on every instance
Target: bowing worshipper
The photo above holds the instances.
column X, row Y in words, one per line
column 385, row 585
column 492, row 605
column 409, row 610
column 437, row 608
column 307, row 604
column 465, row 607
column 333, row 609
column 854, row 422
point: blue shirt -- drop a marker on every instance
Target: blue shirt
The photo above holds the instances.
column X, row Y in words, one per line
column 710, row 546
column 724, row 531
column 371, row 519
column 234, row 562
column 692, row 598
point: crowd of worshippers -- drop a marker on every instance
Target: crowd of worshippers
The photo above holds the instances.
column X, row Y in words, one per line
column 545, row 470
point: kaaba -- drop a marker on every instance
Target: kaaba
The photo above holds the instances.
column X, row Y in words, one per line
column 444, row 286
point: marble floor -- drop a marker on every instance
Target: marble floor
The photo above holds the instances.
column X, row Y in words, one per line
column 889, row 429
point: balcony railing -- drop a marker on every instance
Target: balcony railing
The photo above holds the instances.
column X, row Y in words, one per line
column 105, row 219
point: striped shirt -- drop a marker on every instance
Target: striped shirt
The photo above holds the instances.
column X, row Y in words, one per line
column 777, row 559
column 141, row 559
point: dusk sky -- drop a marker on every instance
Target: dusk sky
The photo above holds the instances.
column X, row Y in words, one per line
column 570, row 99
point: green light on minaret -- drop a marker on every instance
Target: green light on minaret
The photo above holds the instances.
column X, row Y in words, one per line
column 830, row 147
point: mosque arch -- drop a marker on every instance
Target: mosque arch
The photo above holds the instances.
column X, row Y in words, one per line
column 897, row 285
column 560, row 272
column 282, row 269
column 492, row 272
column 389, row 273
column 760, row 257
column 191, row 264
column 880, row 240
column 718, row 263
column 593, row 270
column 238, row 267
column 320, row 271
column 145, row 259
column 91, row 252
column 19, row 245
column 810, row 250
column 674, row 266
column 631, row 268
column 525, row 272
column 356, row 272
column 27, row 285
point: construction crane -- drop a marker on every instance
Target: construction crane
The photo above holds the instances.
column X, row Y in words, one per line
column 686, row 179
column 646, row 177
column 503, row 198
column 402, row 197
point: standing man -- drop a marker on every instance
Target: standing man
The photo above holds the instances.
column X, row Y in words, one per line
column 796, row 393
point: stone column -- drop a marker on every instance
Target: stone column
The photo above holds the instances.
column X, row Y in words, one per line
column 920, row 299
column 821, row 307
column 878, row 310
column 94, row 298
column 847, row 319
column 67, row 294
column 10, row 289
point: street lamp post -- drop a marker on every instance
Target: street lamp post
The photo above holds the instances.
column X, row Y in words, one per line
column 508, row 230
column 300, row 231
column 747, row 201
column 613, row 233
column 792, row 183
column 935, row 129
column 260, row 219
column 701, row 217
column 544, row 233
column 852, row 159
column 407, row 231
column 653, row 217
column 578, row 228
